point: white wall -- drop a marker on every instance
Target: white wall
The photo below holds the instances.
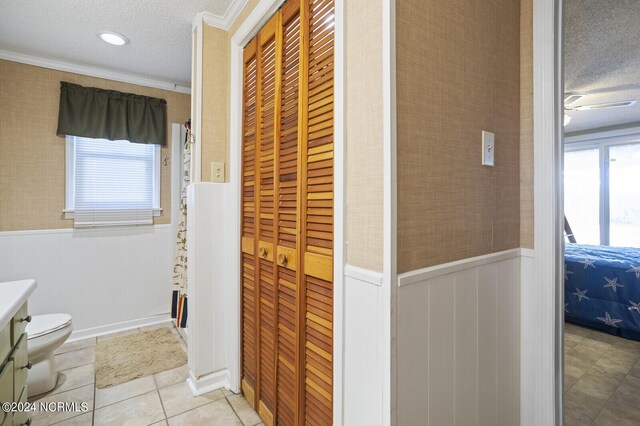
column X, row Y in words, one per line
column 458, row 353
column 99, row 276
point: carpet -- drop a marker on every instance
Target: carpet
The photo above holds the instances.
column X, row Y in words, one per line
column 124, row 358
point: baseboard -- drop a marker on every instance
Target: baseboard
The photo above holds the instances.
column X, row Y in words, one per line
column 117, row 327
column 208, row 383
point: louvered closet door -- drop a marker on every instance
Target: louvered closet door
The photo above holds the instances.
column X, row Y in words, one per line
column 249, row 240
column 287, row 222
column 267, row 213
column 317, row 215
column 288, row 217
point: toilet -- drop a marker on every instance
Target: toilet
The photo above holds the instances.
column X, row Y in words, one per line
column 45, row 334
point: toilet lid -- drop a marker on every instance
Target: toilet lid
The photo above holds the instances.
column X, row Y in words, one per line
column 45, row 324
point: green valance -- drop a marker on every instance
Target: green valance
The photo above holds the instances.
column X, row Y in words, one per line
column 108, row 114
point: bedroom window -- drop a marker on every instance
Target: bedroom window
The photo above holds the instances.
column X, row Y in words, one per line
column 112, row 182
column 602, row 191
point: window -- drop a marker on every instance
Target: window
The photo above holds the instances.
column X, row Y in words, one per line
column 112, row 182
column 582, row 194
column 601, row 191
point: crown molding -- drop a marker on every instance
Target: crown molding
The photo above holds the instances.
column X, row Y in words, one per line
column 92, row 71
column 222, row 22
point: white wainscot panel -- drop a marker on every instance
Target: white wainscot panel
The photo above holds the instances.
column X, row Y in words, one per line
column 458, row 353
column 363, row 347
column 107, row 279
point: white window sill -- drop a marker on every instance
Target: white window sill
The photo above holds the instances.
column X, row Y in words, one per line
column 100, row 218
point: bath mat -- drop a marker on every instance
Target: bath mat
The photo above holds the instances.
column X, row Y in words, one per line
column 124, row 358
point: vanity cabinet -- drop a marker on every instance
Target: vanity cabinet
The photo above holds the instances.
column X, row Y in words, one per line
column 14, row 366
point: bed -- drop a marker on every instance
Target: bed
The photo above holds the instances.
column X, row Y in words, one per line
column 602, row 288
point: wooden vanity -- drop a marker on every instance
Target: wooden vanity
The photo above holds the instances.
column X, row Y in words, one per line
column 14, row 363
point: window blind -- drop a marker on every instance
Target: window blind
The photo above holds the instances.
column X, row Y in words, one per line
column 114, row 182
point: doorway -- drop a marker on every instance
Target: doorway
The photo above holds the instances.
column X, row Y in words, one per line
column 601, row 156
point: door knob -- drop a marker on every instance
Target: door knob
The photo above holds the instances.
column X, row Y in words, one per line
column 262, row 252
column 27, row 318
column 282, row 259
column 28, row 366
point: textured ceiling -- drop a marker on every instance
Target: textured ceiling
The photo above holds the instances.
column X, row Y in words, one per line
column 65, row 30
column 602, row 60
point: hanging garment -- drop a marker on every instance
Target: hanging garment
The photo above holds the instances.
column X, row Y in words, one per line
column 179, row 294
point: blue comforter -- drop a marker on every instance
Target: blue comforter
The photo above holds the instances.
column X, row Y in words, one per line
column 602, row 288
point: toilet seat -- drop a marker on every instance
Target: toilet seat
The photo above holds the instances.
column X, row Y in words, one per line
column 42, row 325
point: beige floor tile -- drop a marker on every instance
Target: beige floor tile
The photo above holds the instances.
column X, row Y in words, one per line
column 628, row 345
column 178, row 399
column 74, row 346
column 242, row 408
column 575, row 367
column 569, row 381
column 617, row 360
column 161, row 423
column 599, row 383
column 615, row 414
column 635, row 370
column 628, row 393
column 576, row 329
column 579, row 405
column 75, row 378
column 217, row 413
column 85, row 419
column 124, row 391
column 78, row 395
column 70, row 379
column 575, row 418
column 571, row 340
column 603, row 337
column 141, row 410
column 171, row 377
column 76, row 358
column 588, row 345
column 226, row 392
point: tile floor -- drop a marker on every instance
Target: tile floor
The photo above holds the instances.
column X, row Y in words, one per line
column 161, row 399
column 601, row 379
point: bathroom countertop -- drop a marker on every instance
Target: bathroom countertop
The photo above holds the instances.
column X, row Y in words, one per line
column 13, row 294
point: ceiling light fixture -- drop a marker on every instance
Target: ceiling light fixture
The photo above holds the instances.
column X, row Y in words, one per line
column 113, row 38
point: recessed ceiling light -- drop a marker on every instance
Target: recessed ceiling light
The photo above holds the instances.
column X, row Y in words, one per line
column 113, row 38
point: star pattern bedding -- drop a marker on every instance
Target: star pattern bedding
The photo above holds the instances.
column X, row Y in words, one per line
column 602, row 288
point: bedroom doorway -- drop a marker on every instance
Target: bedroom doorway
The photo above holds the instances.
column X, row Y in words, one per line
column 601, row 179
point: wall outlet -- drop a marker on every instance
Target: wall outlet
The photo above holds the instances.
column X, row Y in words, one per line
column 488, row 148
column 217, row 171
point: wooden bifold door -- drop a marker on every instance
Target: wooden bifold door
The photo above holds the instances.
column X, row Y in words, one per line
column 287, row 216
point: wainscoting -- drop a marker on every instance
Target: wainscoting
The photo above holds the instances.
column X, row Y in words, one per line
column 363, row 347
column 458, row 349
column 108, row 279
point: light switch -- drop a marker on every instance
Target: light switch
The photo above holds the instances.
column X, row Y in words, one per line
column 488, row 148
column 217, row 171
